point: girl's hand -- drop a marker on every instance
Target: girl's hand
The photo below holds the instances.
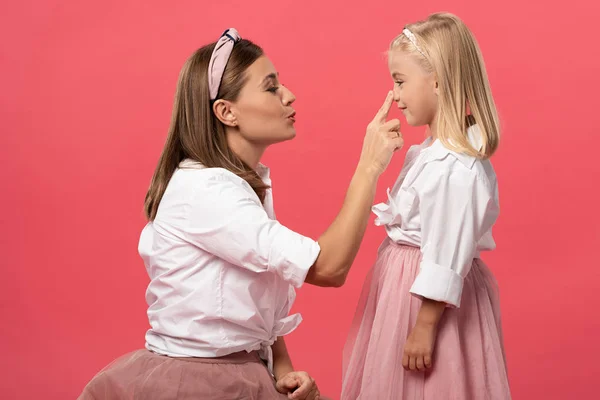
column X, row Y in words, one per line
column 418, row 350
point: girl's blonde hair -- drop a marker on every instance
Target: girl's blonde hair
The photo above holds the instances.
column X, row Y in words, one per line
column 446, row 47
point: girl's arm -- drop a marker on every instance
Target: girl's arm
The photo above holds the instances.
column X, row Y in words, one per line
column 457, row 207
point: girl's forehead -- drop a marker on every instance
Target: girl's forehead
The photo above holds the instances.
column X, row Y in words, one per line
column 403, row 63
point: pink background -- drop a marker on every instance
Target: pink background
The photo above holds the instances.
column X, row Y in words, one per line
column 85, row 99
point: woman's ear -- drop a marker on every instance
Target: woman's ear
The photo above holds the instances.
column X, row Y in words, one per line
column 223, row 112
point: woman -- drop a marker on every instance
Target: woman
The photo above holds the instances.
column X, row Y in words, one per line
column 222, row 269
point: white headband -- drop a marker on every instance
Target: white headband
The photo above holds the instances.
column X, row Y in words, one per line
column 413, row 40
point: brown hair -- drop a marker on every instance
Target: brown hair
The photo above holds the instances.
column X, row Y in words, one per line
column 447, row 48
column 195, row 132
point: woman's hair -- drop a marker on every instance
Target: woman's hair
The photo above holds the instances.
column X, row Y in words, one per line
column 195, row 133
column 445, row 46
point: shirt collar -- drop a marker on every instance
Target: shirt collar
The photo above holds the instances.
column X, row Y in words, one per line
column 262, row 170
column 439, row 151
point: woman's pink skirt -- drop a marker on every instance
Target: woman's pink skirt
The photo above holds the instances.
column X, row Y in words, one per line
column 146, row 375
column 468, row 359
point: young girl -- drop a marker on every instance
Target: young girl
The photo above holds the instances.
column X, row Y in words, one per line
column 222, row 268
column 428, row 324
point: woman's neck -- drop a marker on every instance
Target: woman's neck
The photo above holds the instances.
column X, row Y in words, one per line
column 248, row 152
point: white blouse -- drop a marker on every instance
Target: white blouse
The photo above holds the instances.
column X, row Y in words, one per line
column 445, row 203
column 222, row 269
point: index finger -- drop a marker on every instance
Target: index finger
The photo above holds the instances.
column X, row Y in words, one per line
column 385, row 108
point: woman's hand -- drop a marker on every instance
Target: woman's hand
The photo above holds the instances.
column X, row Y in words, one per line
column 298, row 385
column 381, row 139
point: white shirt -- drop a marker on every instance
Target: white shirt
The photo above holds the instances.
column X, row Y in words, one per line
column 222, row 268
column 445, row 203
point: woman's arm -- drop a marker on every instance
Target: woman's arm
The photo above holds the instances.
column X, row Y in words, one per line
column 282, row 363
column 341, row 241
column 226, row 218
column 296, row 384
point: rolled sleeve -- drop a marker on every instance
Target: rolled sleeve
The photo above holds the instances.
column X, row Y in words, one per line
column 292, row 255
column 456, row 208
column 438, row 283
column 226, row 218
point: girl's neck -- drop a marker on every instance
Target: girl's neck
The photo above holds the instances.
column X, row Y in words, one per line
column 431, row 131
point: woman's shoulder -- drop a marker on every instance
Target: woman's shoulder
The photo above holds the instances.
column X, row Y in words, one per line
column 195, row 174
column 194, row 188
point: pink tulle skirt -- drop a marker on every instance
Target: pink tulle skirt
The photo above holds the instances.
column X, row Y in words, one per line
column 468, row 359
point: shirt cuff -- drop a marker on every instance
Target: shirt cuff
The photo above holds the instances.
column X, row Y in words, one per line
column 438, row 283
column 292, row 256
